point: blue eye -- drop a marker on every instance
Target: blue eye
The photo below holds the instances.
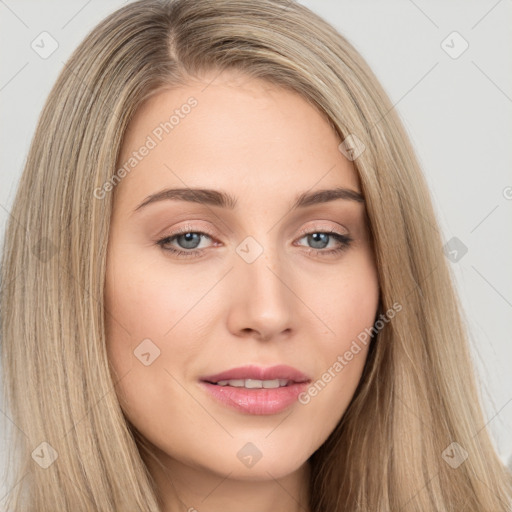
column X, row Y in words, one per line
column 189, row 241
column 321, row 239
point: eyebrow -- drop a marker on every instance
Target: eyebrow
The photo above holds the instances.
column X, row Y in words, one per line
column 224, row 200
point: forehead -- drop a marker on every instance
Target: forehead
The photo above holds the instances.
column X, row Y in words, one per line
column 232, row 132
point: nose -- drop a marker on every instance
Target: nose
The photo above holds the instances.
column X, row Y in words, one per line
column 262, row 299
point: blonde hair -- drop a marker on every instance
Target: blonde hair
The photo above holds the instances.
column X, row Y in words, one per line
column 417, row 394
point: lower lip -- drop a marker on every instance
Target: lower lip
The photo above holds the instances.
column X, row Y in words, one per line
column 259, row 400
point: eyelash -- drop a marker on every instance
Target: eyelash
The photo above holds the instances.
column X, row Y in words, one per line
column 344, row 241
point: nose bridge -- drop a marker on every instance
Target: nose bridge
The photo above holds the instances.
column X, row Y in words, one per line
column 262, row 302
column 263, row 271
column 260, row 264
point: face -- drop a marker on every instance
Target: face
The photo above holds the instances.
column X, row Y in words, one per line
column 196, row 285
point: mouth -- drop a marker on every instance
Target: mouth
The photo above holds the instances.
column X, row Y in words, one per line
column 254, row 383
column 257, row 390
column 254, row 377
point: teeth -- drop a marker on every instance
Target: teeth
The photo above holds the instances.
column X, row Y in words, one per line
column 254, row 383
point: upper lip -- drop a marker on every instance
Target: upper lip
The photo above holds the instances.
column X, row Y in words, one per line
column 281, row 371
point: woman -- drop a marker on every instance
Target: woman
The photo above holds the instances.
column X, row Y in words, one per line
column 224, row 284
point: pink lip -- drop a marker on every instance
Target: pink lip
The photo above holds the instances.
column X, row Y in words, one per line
column 257, row 401
column 281, row 371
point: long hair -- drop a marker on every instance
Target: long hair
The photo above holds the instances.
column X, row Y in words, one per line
column 74, row 449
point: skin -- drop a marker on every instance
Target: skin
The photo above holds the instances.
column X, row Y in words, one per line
column 263, row 145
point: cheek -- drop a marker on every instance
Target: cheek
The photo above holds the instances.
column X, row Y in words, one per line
column 149, row 310
column 348, row 307
column 138, row 308
column 139, row 301
column 347, row 299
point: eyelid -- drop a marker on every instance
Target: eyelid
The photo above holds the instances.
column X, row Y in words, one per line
column 201, row 229
column 317, row 228
column 188, row 228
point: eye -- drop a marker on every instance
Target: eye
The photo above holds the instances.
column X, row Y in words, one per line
column 188, row 242
column 319, row 240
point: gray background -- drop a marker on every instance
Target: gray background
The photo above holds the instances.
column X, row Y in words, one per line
column 456, row 109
